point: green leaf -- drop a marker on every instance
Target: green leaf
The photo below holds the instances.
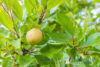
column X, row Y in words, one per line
column 2, row 43
column 29, row 5
column 97, row 47
column 51, row 49
column 4, row 32
column 44, row 60
column 15, row 6
column 53, row 3
column 65, row 22
column 97, row 1
column 86, row 22
column 5, row 19
column 98, row 15
column 71, row 52
column 60, row 37
column 93, row 39
column 90, row 30
column 79, row 65
column 16, row 43
column 6, row 62
column 49, row 28
column 45, row 39
column 24, row 61
column 8, row 3
column 25, row 29
column 17, row 9
column 44, row 3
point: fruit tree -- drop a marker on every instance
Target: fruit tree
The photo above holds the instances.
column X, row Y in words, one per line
column 50, row 33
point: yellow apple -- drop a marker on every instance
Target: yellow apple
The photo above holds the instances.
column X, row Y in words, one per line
column 34, row 36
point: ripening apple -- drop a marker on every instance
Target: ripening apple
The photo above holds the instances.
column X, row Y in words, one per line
column 34, row 36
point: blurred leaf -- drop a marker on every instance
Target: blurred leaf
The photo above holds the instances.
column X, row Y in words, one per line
column 30, row 5
column 58, row 56
column 44, row 3
column 6, row 62
column 8, row 22
column 53, row 3
column 44, row 39
column 1, row 35
column 4, row 32
column 25, row 29
column 98, row 15
column 97, row 47
column 23, row 38
column 87, row 20
column 86, row 62
column 51, row 49
column 44, row 60
column 71, row 52
column 65, row 22
column 24, row 61
column 31, row 21
column 2, row 43
column 91, row 30
column 79, row 64
column 97, row 1
column 93, row 39
column 16, row 43
column 49, row 28
column 8, row 3
column 60, row 37
column 15, row 6
column 17, row 9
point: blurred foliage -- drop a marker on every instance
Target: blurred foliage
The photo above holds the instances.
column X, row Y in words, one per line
column 71, row 33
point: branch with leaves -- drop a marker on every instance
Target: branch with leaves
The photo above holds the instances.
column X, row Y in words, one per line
column 10, row 14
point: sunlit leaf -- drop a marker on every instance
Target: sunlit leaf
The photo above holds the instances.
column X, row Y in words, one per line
column 17, row 9
column 30, row 5
column 24, row 61
column 44, row 60
column 16, row 43
column 5, row 19
column 53, row 3
column 51, row 49
column 93, row 39
column 65, row 22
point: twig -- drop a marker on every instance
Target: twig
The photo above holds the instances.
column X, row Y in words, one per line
column 41, row 16
column 10, row 12
column 73, row 41
column 13, row 25
column 79, row 49
column 4, row 9
column 14, row 58
column 25, row 51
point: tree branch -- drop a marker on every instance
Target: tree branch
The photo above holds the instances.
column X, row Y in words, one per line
column 79, row 49
column 5, row 9
column 25, row 51
column 15, row 33
column 41, row 16
column 73, row 41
